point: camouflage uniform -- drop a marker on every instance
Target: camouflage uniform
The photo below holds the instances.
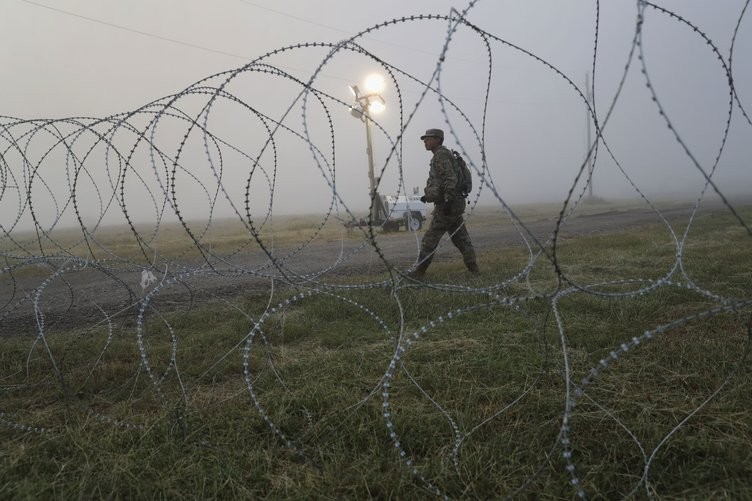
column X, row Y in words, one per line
column 440, row 189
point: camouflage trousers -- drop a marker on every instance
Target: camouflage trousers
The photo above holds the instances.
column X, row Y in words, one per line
column 455, row 226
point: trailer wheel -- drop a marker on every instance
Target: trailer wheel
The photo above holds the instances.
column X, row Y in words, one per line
column 413, row 222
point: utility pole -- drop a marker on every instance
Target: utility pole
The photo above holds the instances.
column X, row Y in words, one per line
column 375, row 201
column 365, row 104
column 589, row 97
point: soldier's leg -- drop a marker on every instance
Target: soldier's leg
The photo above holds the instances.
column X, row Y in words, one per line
column 461, row 240
column 430, row 241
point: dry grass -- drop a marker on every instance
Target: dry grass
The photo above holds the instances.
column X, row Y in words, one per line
column 476, row 402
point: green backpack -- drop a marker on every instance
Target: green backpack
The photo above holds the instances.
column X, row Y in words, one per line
column 464, row 177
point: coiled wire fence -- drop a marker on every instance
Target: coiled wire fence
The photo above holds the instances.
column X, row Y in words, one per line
column 111, row 225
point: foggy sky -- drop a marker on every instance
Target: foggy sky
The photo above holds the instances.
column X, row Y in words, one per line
column 104, row 57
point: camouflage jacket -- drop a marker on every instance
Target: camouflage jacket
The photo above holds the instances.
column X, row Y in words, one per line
column 442, row 180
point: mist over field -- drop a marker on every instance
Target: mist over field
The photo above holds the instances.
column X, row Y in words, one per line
column 176, row 125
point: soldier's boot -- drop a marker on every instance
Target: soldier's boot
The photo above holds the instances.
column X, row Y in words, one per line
column 473, row 268
column 419, row 271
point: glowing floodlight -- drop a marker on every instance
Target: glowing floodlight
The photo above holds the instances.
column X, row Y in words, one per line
column 368, row 100
column 374, row 84
column 376, row 105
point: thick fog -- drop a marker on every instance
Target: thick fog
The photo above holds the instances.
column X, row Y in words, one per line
column 510, row 94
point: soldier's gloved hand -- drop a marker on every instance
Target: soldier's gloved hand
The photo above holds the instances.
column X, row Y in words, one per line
column 448, row 208
column 423, row 199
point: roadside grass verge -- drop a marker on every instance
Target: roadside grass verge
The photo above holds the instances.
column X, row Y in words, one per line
column 476, row 401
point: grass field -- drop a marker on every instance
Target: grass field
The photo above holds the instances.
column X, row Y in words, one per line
column 176, row 240
column 378, row 392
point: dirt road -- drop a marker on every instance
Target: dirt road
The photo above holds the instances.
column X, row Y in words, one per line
column 63, row 293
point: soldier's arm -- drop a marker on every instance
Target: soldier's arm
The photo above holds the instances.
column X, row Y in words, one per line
column 432, row 192
column 445, row 169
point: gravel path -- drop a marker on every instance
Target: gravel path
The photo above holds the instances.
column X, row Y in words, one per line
column 89, row 294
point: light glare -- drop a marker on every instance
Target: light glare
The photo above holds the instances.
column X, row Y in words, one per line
column 374, row 84
column 376, row 106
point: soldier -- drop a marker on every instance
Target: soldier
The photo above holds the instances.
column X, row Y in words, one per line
column 449, row 205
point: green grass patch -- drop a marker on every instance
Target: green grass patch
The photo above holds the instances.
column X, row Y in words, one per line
column 209, row 404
